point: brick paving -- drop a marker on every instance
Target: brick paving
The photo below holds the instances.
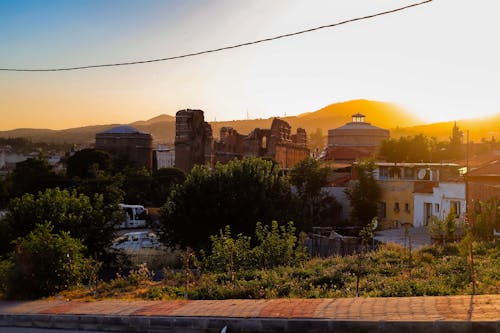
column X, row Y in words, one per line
column 439, row 308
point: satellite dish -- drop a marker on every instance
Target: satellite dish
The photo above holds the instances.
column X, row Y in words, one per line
column 421, row 173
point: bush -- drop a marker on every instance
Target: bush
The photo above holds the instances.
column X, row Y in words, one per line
column 276, row 246
column 44, row 263
column 229, row 254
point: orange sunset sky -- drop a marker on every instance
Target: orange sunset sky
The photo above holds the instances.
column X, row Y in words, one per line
column 441, row 60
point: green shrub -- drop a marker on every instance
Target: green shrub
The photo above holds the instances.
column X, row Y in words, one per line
column 44, row 263
column 229, row 254
column 276, row 246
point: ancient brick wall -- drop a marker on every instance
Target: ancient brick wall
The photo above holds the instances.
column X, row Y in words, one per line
column 194, row 143
column 193, row 139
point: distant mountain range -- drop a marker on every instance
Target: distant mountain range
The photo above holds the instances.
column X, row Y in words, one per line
column 382, row 114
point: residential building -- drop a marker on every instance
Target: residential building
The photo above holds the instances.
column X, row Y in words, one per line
column 413, row 192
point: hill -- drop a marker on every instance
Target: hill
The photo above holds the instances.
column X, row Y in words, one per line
column 382, row 114
column 481, row 128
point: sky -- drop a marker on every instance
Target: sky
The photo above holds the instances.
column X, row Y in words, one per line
column 440, row 61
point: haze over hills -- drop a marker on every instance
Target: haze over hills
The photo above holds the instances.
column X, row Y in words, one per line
column 382, row 114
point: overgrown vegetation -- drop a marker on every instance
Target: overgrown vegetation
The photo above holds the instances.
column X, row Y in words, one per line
column 386, row 272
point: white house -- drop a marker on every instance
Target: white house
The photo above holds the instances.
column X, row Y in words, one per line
column 444, row 198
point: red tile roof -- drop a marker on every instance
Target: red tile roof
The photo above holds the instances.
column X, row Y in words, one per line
column 490, row 169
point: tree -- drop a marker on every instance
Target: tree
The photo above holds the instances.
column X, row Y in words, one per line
column 164, row 181
column 44, row 263
column 407, row 149
column 237, row 194
column 137, row 186
column 31, row 176
column 87, row 218
column 85, row 162
column 456, row 143
column 364, row 195
column 317, row 207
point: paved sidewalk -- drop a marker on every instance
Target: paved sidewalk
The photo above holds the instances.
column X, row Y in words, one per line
column 415, row 314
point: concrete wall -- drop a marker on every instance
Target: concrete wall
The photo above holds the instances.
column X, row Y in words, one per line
column 339, row 194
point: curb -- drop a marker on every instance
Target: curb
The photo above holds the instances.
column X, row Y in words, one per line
column 153, row 324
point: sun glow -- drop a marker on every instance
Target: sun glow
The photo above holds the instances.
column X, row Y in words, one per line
column 434, row 69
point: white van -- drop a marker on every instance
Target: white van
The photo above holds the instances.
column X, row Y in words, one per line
column 135, row 216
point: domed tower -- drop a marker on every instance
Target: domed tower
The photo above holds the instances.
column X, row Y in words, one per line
column 357, row 139
column 128, row 142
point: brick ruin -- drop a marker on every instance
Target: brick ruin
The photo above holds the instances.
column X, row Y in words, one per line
column 193, row 139
column 194, row 143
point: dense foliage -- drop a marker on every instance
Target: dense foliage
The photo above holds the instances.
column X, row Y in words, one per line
column 43, row 263
column 86, row 218
column 31, row 176
column 407, row 149
column 24, row 145
column 83, row 163
column 317, row 208
column 364, row 195
column 237, row 194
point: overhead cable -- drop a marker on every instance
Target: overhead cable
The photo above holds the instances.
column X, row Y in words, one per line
column 129, row 63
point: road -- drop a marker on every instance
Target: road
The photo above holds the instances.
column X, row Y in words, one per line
column 39, row 330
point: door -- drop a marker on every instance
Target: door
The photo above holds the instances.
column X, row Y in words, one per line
column 427, row 212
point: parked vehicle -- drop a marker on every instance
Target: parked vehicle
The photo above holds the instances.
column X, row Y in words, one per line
column 135, row 216
column 134, row 241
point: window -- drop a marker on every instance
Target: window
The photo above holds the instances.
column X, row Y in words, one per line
column 407, row 207
column 396, row 207
column 409, row 173
column 383, row 173
column 436, row 208
column 455, row 208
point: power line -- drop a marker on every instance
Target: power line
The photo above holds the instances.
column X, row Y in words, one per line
column 217, row 49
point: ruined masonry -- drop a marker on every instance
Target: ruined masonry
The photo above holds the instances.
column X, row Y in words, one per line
column 194, row 143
